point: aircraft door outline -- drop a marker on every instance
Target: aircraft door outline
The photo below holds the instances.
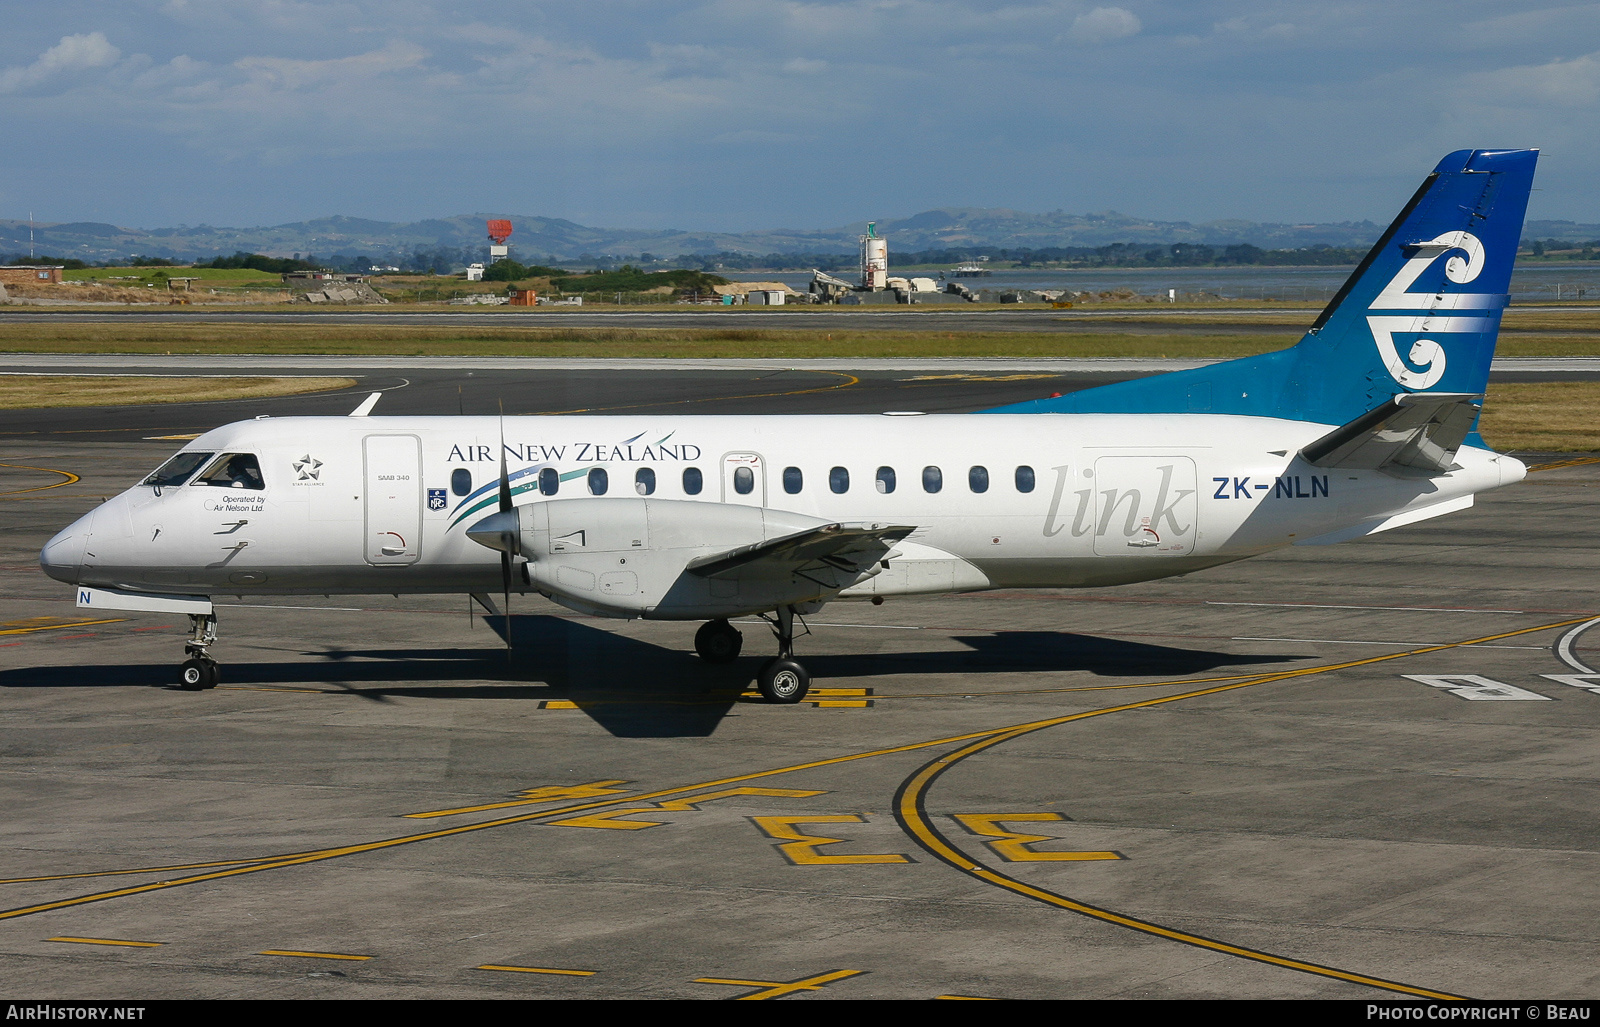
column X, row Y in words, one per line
column 392, row 474
column 744, row 479
column 1145, row 506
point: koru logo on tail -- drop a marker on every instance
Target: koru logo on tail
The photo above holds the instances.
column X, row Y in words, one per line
column 1424, row 306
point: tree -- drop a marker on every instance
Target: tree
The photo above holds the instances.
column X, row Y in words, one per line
column 506, row 270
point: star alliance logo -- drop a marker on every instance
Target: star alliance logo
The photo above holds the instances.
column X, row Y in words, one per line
column 308, row 468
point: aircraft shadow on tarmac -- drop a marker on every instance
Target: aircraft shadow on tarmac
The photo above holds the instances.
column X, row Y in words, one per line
column 636, row 689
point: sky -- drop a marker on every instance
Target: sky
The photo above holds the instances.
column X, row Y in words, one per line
column 733, row 115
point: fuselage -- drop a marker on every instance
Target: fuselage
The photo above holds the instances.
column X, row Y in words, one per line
column 381, row 504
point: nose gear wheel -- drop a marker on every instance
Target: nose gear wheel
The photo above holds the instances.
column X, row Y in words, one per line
column 199, row 672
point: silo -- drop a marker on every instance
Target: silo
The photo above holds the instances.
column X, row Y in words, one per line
column 874, row 259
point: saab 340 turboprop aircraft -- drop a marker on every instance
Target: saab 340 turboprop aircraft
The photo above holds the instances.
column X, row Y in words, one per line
column 1368, row 423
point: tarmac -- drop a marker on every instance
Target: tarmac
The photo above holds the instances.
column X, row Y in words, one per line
column 1276, row 779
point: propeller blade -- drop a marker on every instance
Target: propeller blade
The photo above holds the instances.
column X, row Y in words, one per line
column 509, row 541
column 505, row 581
column 505, row 478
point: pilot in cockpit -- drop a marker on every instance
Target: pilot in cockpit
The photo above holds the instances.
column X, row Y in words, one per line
column 242, row 473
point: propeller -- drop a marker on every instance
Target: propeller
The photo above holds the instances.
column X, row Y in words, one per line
column 508, row 539
column 502, row 531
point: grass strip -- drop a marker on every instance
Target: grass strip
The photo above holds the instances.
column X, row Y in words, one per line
column 1553, row 417
column 26, row 392
column 733, row 342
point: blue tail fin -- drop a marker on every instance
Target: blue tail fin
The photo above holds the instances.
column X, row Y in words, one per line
column 1421, row 313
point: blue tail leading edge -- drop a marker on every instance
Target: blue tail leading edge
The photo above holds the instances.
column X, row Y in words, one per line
column 1420, row 314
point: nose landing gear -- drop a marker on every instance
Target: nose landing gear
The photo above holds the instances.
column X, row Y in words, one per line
column 199, row 671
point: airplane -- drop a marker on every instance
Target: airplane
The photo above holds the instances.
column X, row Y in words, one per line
column 1367, row 424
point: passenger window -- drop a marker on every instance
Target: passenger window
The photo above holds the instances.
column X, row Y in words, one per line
column 233, row 471
column 978, row 478
column 599, row 481
column 177, row 470
column 693, row 481
column 1024, row 478
column 549, row 481
column 932, row 479
column 792, row 480
column 885, row 480
column 460, row 481
column 744, row 480
column 644, row 481
column 839, row 480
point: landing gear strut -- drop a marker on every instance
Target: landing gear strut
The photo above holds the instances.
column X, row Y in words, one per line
column 199, row 671
column 717, row 641
column 783, row 680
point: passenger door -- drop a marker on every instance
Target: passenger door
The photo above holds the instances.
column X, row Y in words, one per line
column 744, row 479
column 393, row 468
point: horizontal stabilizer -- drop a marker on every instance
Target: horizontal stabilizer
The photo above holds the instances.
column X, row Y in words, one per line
column 1399, row 520
column 851, row 548
column 1413, row 434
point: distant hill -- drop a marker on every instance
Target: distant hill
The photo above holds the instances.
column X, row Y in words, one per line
column 541, row 239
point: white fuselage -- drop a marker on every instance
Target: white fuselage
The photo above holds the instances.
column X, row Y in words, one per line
column 381, row 504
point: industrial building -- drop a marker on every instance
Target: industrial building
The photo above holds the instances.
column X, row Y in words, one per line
column 30, row 274
column 876, row 287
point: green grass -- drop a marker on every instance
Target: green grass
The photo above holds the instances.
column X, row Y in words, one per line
column 212, row 276
column 1191, row 334
column 733, row 341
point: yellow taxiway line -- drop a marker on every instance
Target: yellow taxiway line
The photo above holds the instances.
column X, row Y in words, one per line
column 907, row 807
column 68, row 475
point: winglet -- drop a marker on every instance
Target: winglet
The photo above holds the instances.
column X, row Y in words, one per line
column 366, row 405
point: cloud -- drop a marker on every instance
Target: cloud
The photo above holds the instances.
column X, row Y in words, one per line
column 286, row 73
column 73, row 53
column 1574, row 83
column 1103, row 24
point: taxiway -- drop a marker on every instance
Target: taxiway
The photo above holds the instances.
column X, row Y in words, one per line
column 1365, row 771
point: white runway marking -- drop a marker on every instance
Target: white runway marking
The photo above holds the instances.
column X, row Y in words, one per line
column 1359, row 641
column 271, row 606
column 1476, row 686
column 1331, row 606
column 1565, row 644
column 1587, row 682
column 835, row 624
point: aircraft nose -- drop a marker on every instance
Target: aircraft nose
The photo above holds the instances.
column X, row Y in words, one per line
column 62, row 556
column 500, row 530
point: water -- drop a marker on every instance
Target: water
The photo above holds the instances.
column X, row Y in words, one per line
column 1535, row 283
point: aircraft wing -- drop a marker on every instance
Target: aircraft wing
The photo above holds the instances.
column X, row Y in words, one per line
column 1413, row 435
column 832, row 555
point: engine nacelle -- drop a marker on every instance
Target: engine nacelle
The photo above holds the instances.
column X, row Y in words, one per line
column 627, row 557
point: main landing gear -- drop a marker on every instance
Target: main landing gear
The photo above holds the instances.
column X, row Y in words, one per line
column 780, row 680
column 199, row 671
column 717, row 641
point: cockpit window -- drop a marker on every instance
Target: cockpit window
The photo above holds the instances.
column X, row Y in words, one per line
column 233, row 471
column 177, row 470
